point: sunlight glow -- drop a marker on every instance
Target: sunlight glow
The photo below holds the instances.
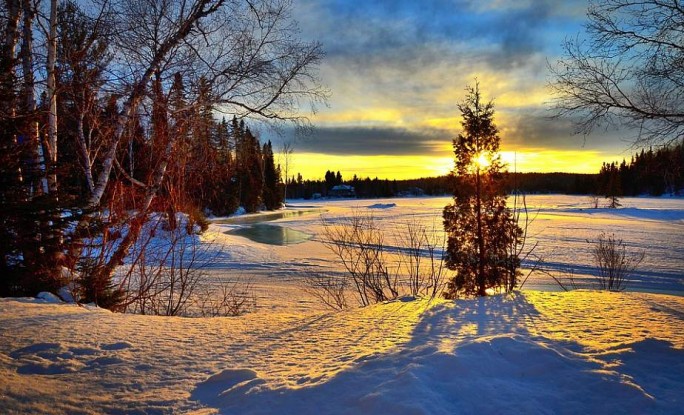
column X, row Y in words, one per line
column 482, row 161
column 314, row 165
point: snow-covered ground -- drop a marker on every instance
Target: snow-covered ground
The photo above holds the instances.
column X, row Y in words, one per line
column 561, row 228
column 530, row 352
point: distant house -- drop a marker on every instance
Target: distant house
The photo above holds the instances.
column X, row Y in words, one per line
column 411, row 191
column 342, row 190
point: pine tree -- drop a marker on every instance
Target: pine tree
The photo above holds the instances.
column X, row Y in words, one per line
column 227, row 187
column 479, row 226
column 251, row 171
column 272, row 196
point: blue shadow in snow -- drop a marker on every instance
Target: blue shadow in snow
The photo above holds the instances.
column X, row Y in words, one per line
column 497, row 368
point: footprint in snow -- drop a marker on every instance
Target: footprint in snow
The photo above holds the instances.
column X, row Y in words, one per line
column 36, row 349
column 55, row 358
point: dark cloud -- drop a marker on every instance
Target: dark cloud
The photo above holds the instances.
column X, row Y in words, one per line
column 402, row 28
column 368, row 141
column 537, row 129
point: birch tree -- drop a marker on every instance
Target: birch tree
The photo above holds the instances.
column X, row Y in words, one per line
column 247, row 52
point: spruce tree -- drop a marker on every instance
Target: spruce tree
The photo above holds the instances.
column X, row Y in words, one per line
column 251, row 173
column 481, row 230
column 272, row 196
column 228, row 188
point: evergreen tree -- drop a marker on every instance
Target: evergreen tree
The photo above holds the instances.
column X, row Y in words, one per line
column 228, row 187
column 479, row 226
column 648, row 172
column 251, row 172
column 329, row 180
column 272, row 196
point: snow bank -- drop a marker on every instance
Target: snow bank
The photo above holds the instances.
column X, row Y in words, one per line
column 576, row 352
column 48, row 297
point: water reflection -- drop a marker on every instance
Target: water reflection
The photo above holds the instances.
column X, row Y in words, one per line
column 271, row 234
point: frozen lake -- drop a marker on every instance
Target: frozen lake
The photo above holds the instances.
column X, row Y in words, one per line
column 561, row 227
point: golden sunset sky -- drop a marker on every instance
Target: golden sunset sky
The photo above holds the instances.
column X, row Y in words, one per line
column 396, row 70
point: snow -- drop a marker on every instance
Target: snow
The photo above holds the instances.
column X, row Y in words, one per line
column 563, row 228
column 529, row 352
column 48, row 297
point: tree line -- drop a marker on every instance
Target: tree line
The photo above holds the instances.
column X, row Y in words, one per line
column 530, row 183
column 107, row 115
column 298, row 188
column 648, row 173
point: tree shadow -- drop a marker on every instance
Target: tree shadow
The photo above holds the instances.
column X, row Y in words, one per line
column 470, row 356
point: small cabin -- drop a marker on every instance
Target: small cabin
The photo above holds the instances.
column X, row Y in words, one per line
column 342, row 190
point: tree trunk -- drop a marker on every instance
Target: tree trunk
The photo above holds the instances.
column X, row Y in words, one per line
column 9, row 77
column 35, row 170
column 481, row 288
column 84, row 151
column 162, row 138
column 52, row 97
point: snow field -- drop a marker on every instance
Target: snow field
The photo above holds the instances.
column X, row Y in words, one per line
column 562, row 226
column 529, row 352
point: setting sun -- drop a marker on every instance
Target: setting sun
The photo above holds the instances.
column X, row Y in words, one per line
column 482, row 161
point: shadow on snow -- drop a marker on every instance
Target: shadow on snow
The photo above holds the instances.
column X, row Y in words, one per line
column 471, row 356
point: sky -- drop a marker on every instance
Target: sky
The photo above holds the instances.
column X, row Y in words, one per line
column 397, row 69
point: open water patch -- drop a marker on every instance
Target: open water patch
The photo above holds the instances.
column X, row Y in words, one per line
column 264, row 233
column 267, row 217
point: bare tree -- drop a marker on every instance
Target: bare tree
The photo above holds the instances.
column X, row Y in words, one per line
column 51, row 92
column 627, row 70
column 594, row 201
column 245, row 54
column 286, row 153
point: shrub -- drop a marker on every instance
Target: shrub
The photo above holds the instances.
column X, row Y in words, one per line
column 613, row 262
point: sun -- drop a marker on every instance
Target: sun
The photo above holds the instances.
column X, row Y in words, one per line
column 482, row 161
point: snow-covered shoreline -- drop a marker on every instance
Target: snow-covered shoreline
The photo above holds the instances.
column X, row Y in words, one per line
column 529, row 352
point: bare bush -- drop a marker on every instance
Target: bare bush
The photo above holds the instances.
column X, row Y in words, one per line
column 613, row 262
column 422, row 258
column 594, row 201
column 168, row 276
column 519, row 250
column 329, row 289
column 359, row 244
column 225, row 300
column 165, row 271
column 379, row 272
